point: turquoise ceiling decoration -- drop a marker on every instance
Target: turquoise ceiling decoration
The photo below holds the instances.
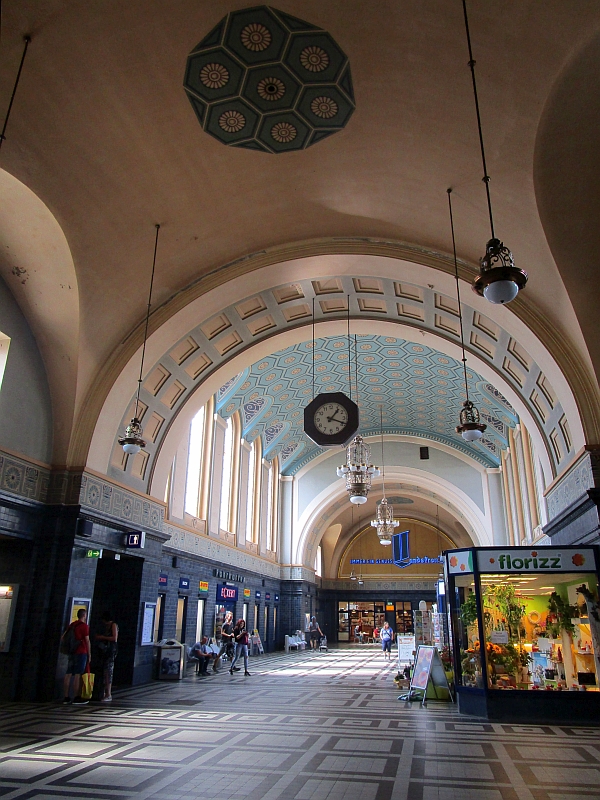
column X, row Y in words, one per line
column 421, row 391
column 264, row 80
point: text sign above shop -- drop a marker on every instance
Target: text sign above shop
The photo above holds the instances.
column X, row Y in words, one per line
column 202, row 587
column 539, row 559
column 226, row 594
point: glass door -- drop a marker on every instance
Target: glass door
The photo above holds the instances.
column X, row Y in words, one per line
column 343, row 622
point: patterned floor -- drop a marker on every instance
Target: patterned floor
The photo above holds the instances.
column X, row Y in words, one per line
column 304, row 726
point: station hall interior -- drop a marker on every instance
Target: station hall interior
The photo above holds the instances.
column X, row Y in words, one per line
column 213, row 214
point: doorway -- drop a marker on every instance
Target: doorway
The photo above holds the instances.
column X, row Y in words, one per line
column 117, row 591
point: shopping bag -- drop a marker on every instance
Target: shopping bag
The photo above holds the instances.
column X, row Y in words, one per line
column 87, row 684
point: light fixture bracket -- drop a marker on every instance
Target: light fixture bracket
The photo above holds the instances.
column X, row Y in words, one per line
column 498, row 265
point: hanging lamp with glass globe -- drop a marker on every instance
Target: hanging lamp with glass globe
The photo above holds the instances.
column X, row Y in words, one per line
column 384, row 522
column 499, row 281
column 471, row 427
column 358, row 470
column 133, row 442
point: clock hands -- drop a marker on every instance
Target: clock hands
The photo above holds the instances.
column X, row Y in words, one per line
column 334, row 418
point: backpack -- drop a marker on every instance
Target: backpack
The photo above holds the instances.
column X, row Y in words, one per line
column 69, row 642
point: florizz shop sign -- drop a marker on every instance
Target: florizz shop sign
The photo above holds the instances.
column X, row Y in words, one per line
column 536, row 560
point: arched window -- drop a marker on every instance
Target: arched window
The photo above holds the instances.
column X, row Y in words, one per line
column 194, row 465
column 227, row 474
column 4, row 345
column 270, row 521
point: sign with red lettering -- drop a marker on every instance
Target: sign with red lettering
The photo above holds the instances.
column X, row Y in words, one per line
column 226, row 594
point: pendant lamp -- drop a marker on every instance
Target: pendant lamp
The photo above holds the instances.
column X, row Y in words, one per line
column 470, row 428
column 384, row 521
column 358, row 470
column 132, row 442
column 499, row 281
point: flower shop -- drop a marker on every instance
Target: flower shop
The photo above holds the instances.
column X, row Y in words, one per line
column 525, row 632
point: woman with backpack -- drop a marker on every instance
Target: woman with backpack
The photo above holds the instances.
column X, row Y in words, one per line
column 107, row 645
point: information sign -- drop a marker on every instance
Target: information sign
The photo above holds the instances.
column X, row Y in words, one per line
column 406, row 649
column 499, row 637
column 93, row 553
column 202, row 587
column 267, row 596
column 135, row 540
column 184, row 584
column 257, row 595
column 226, row 594
column 247, row 593
column 429, row 669
column 163, row 580
column 148, row 620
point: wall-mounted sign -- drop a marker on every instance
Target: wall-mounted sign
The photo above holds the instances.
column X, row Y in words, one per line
column 276, row 598
column 203, row 587
column 542, row 559
column 228, row 576
column 8, row 603
column 226, row 594
column 93, row 553
column 184, row 584
column 148, row 620
column 267, row 595
column 135, row 540
column 389, row 606
column 163, row 580
column 400, row 554
column 257, row 595
column 247, row 592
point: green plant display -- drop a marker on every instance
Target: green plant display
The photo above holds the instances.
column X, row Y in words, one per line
column 468, row 611
column 510, row 606
column 560, row 616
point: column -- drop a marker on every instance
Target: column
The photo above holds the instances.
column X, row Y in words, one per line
column 523, row 485
column 516, row 488
column 285, row 518
column 243, row 493
column 532, row 494
column 216, row 472
column 497, row 511
column 507, row 497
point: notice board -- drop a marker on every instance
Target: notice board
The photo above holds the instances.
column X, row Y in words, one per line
column 429, row 667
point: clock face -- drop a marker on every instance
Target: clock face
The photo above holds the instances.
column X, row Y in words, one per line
column 330, row 418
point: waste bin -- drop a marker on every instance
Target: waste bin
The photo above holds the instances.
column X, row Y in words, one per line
column 168, row 660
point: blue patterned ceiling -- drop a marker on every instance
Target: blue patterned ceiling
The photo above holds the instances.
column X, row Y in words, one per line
column 421, row 391
column 264, row 80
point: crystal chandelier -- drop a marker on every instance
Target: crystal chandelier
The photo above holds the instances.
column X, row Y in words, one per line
column 132, row 442
column 358, row 470
column 384, row 522
column 471, row 428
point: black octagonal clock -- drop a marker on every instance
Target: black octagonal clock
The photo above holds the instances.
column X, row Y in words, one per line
column 331, row 419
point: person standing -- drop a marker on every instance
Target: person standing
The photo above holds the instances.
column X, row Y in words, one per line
column 77, row 639
column 107, row 645
column 387, row 637
column 240, row 635
column 227, row 642
column 315, row 633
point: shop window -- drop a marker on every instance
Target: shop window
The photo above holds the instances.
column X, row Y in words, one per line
column 470, row 671
column 404, row 617
column 227, row 475
column 194, row 465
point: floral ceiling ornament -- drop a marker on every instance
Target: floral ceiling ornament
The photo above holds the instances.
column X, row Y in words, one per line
column 259, row 59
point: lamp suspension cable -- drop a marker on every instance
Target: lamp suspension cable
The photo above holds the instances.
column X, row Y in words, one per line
column 132, row 442
column 313, row 348
column 349, row 351
column 356, row 370
column 486, row 177
column 460, row 316
column 27, row 40
column 382, row 458
column 137, row 399
column 470, row 427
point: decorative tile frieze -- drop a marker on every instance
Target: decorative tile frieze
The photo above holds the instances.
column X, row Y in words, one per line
column 584, row 474
column 22, row 478
column 99, row 496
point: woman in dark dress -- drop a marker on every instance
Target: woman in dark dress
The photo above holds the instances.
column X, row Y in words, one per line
column 240, row 637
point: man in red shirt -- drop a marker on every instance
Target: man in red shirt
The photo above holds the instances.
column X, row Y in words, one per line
column 78, row 658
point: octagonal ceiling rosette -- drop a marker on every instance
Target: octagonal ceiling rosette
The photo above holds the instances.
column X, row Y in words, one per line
column 267, row 81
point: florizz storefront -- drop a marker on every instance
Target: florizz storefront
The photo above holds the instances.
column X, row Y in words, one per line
column 526, row 632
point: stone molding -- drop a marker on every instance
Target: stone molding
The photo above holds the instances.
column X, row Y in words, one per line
column 582, row 475
column 378, row 585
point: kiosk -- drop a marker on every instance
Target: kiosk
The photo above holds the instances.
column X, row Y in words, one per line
column 526, row 632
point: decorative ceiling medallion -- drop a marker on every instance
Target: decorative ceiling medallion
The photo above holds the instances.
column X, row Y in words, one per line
column 264, row 80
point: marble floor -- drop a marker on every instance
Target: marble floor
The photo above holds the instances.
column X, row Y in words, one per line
column 304, row 726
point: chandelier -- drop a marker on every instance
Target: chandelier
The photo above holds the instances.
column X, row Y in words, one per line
column 499, row 280
column 384, row 522
column 358, row 470
column 132, row 442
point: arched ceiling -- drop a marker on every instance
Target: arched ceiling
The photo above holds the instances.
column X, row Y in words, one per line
column 421, row 391
column 103, row 133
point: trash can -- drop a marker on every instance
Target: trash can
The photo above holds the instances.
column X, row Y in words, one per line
column 168, row 660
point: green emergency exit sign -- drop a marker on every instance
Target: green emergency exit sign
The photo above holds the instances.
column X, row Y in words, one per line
column 93, row 553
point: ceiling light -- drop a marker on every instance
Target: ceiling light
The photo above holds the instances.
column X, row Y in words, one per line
column 499, row 280
column 470, row 428
column 384, row 522
column 132, row 442
column 358, row 470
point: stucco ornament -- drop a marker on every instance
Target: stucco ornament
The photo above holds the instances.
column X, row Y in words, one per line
column 264, row 80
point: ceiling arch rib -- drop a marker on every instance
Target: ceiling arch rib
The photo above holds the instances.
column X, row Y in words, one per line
column 220, row 340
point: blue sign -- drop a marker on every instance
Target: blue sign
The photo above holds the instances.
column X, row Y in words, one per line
column 135, row 540
column 163, row 580
column 276, row 598
column 257, row 595
column 400, row 554
column 267, row 596
column 184, row 583
column 226, row 594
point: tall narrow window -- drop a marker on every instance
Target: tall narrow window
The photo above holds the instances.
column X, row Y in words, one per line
column 194, row 466
column 250, row 493
column 226, row 480
column 270, row 507
column 4, row 345
column 319, row 562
